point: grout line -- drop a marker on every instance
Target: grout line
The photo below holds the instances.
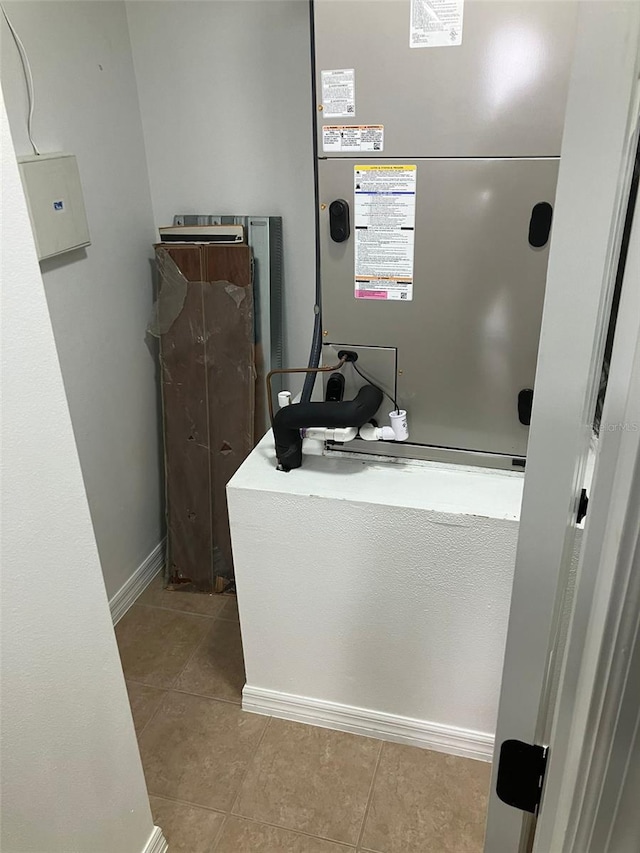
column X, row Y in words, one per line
column 343, row 844
column 237, row 703
column 144, row 684
column 187, row 803
column 249, row 764
column 171, row 687
column 370, row 796
column 139, row 603
column 229, row 814
column 194, row 652
column 219, row 834
column 152, row 717
column 219, row 616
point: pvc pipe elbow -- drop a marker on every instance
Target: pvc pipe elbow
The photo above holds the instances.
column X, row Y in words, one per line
column 398, row 431
column 369, row 432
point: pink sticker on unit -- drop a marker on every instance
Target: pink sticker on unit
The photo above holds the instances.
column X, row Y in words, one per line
column 371, row 294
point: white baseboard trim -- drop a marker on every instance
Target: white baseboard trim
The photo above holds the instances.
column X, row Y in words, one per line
column 137, row 583
column 157, row 843
column 360, row 721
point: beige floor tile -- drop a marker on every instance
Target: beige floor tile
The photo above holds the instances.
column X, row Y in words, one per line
column 243, row 836
column 175, row 599
column 310, row 779
column 144, row 701
column 197, row 749
column 426, row 801
column 187, row 829
column 155, row 644
column 230, row 609
column 217, row 668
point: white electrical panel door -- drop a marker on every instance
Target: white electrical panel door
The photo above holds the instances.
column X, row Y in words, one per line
column 54, row 197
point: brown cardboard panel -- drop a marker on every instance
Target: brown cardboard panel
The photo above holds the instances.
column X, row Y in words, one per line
column 188, row 259
column 228, row 312
column 185, row 426
column 208, row 387
column 227, row 263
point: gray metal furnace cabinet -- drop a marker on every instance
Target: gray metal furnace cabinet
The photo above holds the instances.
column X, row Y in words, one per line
column 482, row 123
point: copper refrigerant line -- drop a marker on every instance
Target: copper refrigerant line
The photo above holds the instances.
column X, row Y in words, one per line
column 271, row 373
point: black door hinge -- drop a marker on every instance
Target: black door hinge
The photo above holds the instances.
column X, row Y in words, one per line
column 582, row 505
column 521, row 774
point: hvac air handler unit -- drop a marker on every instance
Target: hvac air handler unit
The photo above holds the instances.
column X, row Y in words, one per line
column 438, row 132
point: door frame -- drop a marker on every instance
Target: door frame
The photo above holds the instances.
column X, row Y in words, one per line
column 593, row 186
column 598, row 709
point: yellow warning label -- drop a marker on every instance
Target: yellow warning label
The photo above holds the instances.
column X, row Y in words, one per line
column 384, row 225
column 392, row 168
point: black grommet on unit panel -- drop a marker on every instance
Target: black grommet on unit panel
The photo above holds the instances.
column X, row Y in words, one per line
column 335, row 388
column 540, row 224
column 525, row 404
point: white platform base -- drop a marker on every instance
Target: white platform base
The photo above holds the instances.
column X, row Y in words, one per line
column 360, row 721
column 137, row 583
column 375, row 598
column 157, row 843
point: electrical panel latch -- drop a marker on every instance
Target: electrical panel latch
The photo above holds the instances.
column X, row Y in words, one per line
column 339, row 226
column 521, row 774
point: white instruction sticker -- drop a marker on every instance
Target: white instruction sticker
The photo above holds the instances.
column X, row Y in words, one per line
column 384, row 226
column 338, row 93
column 436, row 23
column 352, row 137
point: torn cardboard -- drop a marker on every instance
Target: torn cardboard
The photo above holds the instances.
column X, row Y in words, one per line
column 204, row 320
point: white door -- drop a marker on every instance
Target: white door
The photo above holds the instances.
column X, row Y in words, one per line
column 593, row 190
column 589, row 802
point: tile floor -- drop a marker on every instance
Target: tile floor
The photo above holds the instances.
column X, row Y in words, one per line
column 224, row 781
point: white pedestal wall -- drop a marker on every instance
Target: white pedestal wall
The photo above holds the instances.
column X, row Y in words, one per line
column 374, row 596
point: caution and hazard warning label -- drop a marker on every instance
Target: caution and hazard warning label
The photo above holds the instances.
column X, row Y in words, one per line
column 352, row 138
column 384, row 229
column 436, row 23
column 338, row 92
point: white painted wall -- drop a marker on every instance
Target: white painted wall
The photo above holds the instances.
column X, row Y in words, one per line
column 225, row 94
column 376, row 586
column 100, row 301
column 71, row 773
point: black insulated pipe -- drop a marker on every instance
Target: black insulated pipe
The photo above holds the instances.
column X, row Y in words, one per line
column 289, row 420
